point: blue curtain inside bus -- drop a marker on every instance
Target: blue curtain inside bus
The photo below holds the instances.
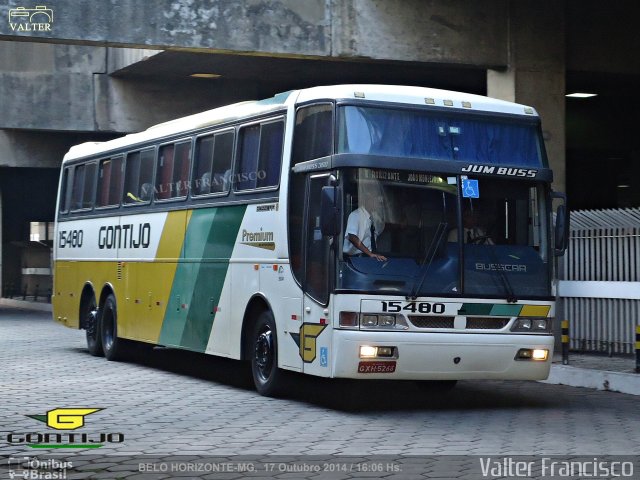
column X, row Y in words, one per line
column 405, row 133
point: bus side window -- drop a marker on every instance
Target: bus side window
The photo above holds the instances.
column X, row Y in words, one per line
column 260, row 155
column 138, row 177
column 222, row 156
column 202, row 169
column 313, row 136
column 271, row 139
column 65, row 190
column 109, row 182
column 83, row 189
column 172, row 174
column 212, row 171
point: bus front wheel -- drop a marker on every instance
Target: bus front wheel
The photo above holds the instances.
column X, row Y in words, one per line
column 267, row 377
column 111, row 344
column 91, row 326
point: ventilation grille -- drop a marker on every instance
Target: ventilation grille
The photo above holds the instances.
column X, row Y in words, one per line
column 431, row 322
column 486, row 323
column 119, row 271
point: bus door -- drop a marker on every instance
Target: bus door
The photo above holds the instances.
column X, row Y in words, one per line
column 315, row 336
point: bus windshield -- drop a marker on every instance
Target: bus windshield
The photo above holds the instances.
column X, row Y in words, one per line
column 438, row 136
column 433, row 238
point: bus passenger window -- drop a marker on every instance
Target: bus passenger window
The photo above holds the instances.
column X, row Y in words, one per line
column 271, row 138
column 172, row 174
column 83, row 187
column 65, row 190
column 138, row 177
column 260, row 155
column 313, row 137
column 221, row 170
column 248, row 157
column 212, row 171
column 109, row 182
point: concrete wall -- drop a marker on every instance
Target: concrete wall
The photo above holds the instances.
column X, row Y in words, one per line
column 66, row 88
column 450, row 31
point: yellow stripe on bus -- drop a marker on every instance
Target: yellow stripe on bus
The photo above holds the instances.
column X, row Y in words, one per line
column 156, row 278
column 535, row 310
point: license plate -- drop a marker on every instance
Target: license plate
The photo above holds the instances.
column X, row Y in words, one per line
column 376, row 367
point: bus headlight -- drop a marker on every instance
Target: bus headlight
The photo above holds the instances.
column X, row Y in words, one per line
column 369, row 321
column 372, row 321
column 536, row 354
column 532, row 325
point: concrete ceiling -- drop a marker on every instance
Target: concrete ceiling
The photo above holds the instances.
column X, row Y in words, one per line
column 284, row 74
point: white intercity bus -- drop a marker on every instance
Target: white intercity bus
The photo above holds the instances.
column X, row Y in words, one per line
column 235, row 232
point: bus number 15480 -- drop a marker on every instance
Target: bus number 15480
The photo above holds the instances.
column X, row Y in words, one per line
column 413, row 307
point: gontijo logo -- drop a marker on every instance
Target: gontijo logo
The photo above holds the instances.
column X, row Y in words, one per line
column 64, row 419
column 38, row 19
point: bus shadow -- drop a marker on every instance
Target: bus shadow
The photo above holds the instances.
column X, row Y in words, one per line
column 349, row 395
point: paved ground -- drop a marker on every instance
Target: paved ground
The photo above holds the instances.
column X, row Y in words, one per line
column 179, row 406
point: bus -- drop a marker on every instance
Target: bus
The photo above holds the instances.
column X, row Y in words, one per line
column 236, row 232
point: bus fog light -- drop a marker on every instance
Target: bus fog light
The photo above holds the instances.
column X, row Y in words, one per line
column 540, row 354
column 368, row 352
column 524, row 354
column 369, row 320
column 348, row 319
column 537, row 354
column 387, row 320
column 385, row 351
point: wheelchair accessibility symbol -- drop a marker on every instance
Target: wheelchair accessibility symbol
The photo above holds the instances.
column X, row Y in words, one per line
column 470, row 189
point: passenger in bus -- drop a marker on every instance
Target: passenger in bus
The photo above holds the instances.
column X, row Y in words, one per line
column 474, row 232
column 364, row 225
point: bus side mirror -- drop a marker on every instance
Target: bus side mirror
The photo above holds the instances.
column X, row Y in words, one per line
column 329, row 211
column 561, row 230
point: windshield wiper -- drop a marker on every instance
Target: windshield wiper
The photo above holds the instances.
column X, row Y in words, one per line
column 511, row 297
column 432, row 248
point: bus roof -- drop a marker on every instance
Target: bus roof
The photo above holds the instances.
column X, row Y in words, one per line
column 380, row 93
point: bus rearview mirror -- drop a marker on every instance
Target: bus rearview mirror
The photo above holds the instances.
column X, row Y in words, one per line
column 561, row 230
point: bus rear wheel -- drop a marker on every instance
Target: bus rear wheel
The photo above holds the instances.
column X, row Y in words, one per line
column 91, row 326
column 111, row 344
column 267, row 377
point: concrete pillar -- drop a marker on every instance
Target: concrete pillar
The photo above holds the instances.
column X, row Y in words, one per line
column 536, row 72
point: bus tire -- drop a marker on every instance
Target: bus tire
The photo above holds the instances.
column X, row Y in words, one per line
column 111, row 344
column 267, row 377
column 92, row 327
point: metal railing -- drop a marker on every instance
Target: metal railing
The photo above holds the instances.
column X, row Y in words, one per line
column 600, row 289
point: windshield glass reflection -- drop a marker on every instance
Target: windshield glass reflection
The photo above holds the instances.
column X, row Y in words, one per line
column 403, row 234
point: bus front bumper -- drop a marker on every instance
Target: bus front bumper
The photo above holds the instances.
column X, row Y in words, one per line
column 440, row 356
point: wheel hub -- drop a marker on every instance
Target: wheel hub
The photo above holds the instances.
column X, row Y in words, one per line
column 264, row 352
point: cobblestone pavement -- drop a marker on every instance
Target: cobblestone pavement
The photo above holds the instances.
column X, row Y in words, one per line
column 179, row 406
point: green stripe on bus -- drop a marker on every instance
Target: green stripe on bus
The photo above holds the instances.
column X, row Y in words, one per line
column 506, row 310
column 196, row 289
column 499, row 310
column 475, row 309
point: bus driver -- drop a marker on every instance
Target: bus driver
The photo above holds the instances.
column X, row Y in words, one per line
column 363, row 229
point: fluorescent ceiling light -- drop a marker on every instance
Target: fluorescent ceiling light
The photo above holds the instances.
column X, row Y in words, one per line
column 581, row 95
column 205, row 75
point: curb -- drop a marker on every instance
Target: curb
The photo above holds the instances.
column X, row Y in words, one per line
column 40, row 307
column 622, row 382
